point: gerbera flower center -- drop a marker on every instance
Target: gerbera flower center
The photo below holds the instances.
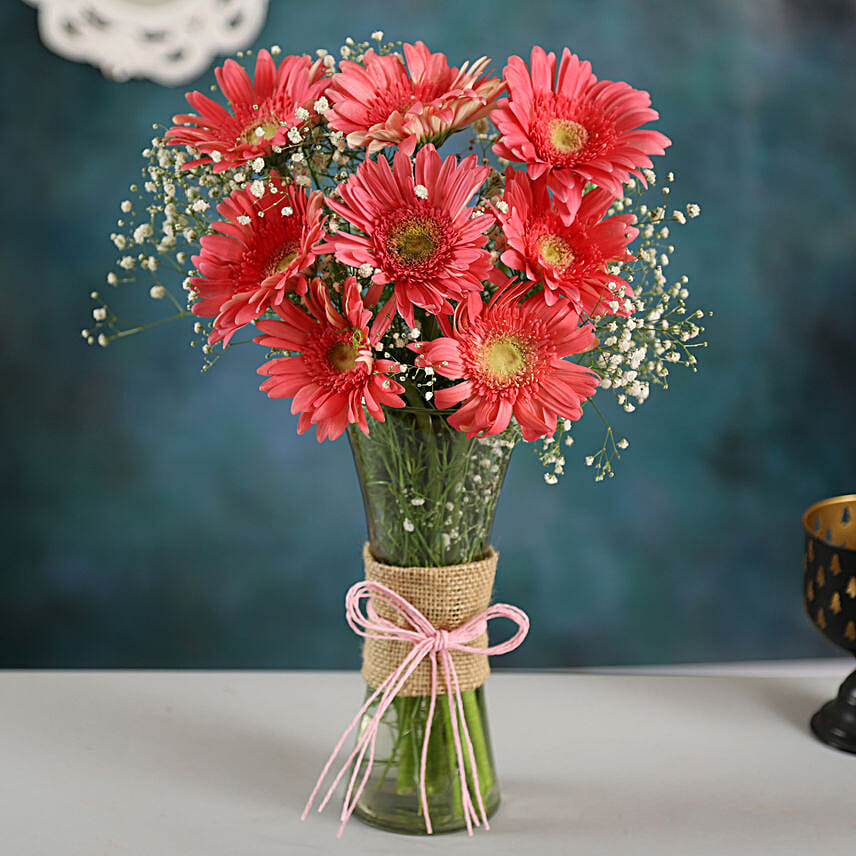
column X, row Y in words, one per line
column 282, row 262
column 268, row 128
column 567, row 136
column 415, row 240
column 505, row 358
column 342, row 356
column 555, row 251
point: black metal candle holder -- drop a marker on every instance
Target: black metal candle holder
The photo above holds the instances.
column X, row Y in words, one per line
column 829, row 596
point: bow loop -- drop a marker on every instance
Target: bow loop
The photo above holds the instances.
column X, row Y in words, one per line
column 362, row 617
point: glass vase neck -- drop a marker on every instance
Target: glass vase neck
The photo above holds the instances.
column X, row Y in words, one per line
column 429, row 492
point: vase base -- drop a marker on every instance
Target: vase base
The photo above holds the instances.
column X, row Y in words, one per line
column 835, row 723
column 407, row 823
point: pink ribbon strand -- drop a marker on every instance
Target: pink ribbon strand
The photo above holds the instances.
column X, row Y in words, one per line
column 436, row 645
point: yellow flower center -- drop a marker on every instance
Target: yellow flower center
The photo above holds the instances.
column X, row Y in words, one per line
column 268, row 127
column 415, row 240
column 555, row 251
column 567, row 136
column 342, row 356
column 284, row 261
column 504, row 358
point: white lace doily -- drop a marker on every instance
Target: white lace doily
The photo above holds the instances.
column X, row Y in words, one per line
column 168, row 41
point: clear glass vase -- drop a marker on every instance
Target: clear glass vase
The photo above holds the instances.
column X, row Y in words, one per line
column 430, row 496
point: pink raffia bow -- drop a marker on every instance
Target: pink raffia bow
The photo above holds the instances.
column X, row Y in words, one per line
column 429, row 642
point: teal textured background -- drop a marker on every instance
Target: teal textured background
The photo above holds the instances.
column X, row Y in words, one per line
column 153, row 517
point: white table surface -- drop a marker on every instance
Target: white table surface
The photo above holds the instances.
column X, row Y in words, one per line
column 186, row 763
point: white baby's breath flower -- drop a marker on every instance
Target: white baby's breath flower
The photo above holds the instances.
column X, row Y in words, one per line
column 143, row 231
column 200, row 205
column 365, row 270
column 244, row 220
column 126, row 206
column 302, row 114
column 157, row 292
column 103, row 341
column 286, row 211
column 257, row 188
column 421, row 191
column 322, row 105
column 693, row 210
column 99, row 313
column 408, row 525
column 377, row 35
column 258, row 164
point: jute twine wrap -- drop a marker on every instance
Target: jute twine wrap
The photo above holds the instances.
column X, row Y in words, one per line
column 447, row 597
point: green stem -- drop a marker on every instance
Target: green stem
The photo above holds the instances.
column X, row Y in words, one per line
column 407, row 760
column 130, row 332
column 437, row 775
column 451, row 758
column 473, row 715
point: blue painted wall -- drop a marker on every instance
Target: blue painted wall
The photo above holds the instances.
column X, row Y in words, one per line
column 155, row 517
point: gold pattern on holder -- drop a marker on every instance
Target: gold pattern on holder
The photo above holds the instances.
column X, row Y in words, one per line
column 821, row 577
column 811, row 551
column 821, row 619
column 809, row 591
column 835, row 603
column 851, row 587
column 835, row 565
column 850, row 631
column 805, row 563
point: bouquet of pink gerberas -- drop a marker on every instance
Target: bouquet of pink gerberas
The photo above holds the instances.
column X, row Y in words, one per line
column 437, row 302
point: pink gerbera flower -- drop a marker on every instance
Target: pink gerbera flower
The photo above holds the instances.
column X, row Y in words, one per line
column 334, row 377
column 509, row 357
column 263, row 110
column 575, row 127
column 383, row 103
column 566, row 243
column 416, row 228
column 263, row 246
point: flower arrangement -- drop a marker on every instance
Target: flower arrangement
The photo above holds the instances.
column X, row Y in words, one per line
column 436, row 294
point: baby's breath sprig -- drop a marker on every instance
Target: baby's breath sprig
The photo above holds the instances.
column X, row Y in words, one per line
column 549, row 451
column 654, row 329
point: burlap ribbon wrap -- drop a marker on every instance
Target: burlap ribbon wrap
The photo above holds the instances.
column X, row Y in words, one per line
column 447, row 596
